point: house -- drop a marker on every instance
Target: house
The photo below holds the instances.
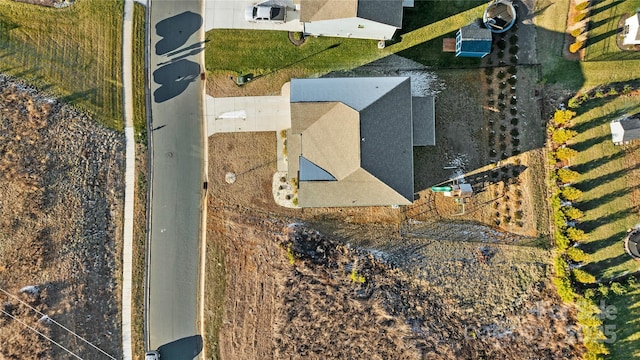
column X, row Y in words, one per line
column 363, row 19
column 351, row 140
column 624, row 130
column 473, row 40
column 632, row 30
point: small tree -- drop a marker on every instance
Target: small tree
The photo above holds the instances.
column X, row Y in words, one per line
column 565, row 153
column 562, row 241
column 583, row 276
column 563, row 117
column 561, row 136
column 570, row 193
column 573, row 48
column 566, row 176
column 576, row 235
column 572, row 213
column 577, row 255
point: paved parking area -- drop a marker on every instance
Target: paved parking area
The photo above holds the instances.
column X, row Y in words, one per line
column 248, row 113
column 229, row 14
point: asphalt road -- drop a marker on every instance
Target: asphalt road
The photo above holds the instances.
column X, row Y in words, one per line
column 177, row 178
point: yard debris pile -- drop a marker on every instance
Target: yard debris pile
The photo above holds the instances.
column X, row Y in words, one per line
column 61, row 194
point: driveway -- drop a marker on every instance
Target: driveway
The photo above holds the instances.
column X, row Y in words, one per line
column 229, row 14
column 248, row 113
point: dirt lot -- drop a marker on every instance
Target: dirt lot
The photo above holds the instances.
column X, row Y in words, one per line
column 61, row 193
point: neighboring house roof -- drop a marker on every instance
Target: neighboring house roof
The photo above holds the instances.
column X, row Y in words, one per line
column 473, row 39
column 358, row 131
column 626, row 129
column 383, row 11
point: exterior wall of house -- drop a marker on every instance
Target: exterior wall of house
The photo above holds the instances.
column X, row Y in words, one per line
column 350, row 28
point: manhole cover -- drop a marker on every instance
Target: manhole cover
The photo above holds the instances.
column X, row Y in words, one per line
column 230, row 178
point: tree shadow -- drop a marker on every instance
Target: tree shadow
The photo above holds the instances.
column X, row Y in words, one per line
column 598, row 38
column 596, row 10
column 186, row 348
column 586, row 144
column 595, row 24
column 422, row 13
column 582, row 127
column 590, row 225
column 595, row 245
column 587, row 185
column 596, row 163
column 89, row 94
column 602, row 200
column 598, row 266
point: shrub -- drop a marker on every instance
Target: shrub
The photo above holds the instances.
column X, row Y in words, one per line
column 582, row 6
column 565, row 291
column 562, row 241
column 599, row 94
column 563, row 117
column 513, row 39
column 512, row 70
column 618, row 289
column 627, row 89
column 583, row 277
column 579, row 17
column 355, row 277
column 576, row 235
column 514, row 121
column 561, row 136
column 565, row 153
column 513, row 49
column 572, row 213
column 566, row 175
column 577, row 255
column 576, row 32
column 612, row 91
column 560, row 266
column 573, row 103
column 502, row 44
column 488, row 71
column 573, row 48
column 290, row 255
column 570, row 193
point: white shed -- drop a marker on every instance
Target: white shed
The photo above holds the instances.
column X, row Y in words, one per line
column 632, row 30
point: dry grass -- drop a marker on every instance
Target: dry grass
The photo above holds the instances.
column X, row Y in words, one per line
column 61, row 207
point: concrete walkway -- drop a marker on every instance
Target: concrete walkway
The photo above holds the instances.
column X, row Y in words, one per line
column 130, row 154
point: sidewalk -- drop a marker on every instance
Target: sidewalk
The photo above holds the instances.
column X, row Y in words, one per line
column 127, row 257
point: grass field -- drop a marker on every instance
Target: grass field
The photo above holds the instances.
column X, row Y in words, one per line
column 627, row 324
column 607, row 183
column 603, row 28
column 74, row 53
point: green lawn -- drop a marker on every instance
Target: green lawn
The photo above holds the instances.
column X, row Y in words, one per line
column 603, row 26
column 627, row 324
column 139, row 84
column 74, row 52
column 263, row 52
column 606, row 186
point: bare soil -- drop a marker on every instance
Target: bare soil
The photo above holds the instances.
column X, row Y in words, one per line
column 61, row 194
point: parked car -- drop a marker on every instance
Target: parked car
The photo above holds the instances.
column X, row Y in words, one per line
column 266, row 13
column 152, row 355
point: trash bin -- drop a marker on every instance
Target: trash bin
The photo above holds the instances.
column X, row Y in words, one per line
column 243, row 79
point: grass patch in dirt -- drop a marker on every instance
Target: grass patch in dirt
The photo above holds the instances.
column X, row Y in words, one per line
column 609, row 181
column 603, row 29
column 75, row 52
